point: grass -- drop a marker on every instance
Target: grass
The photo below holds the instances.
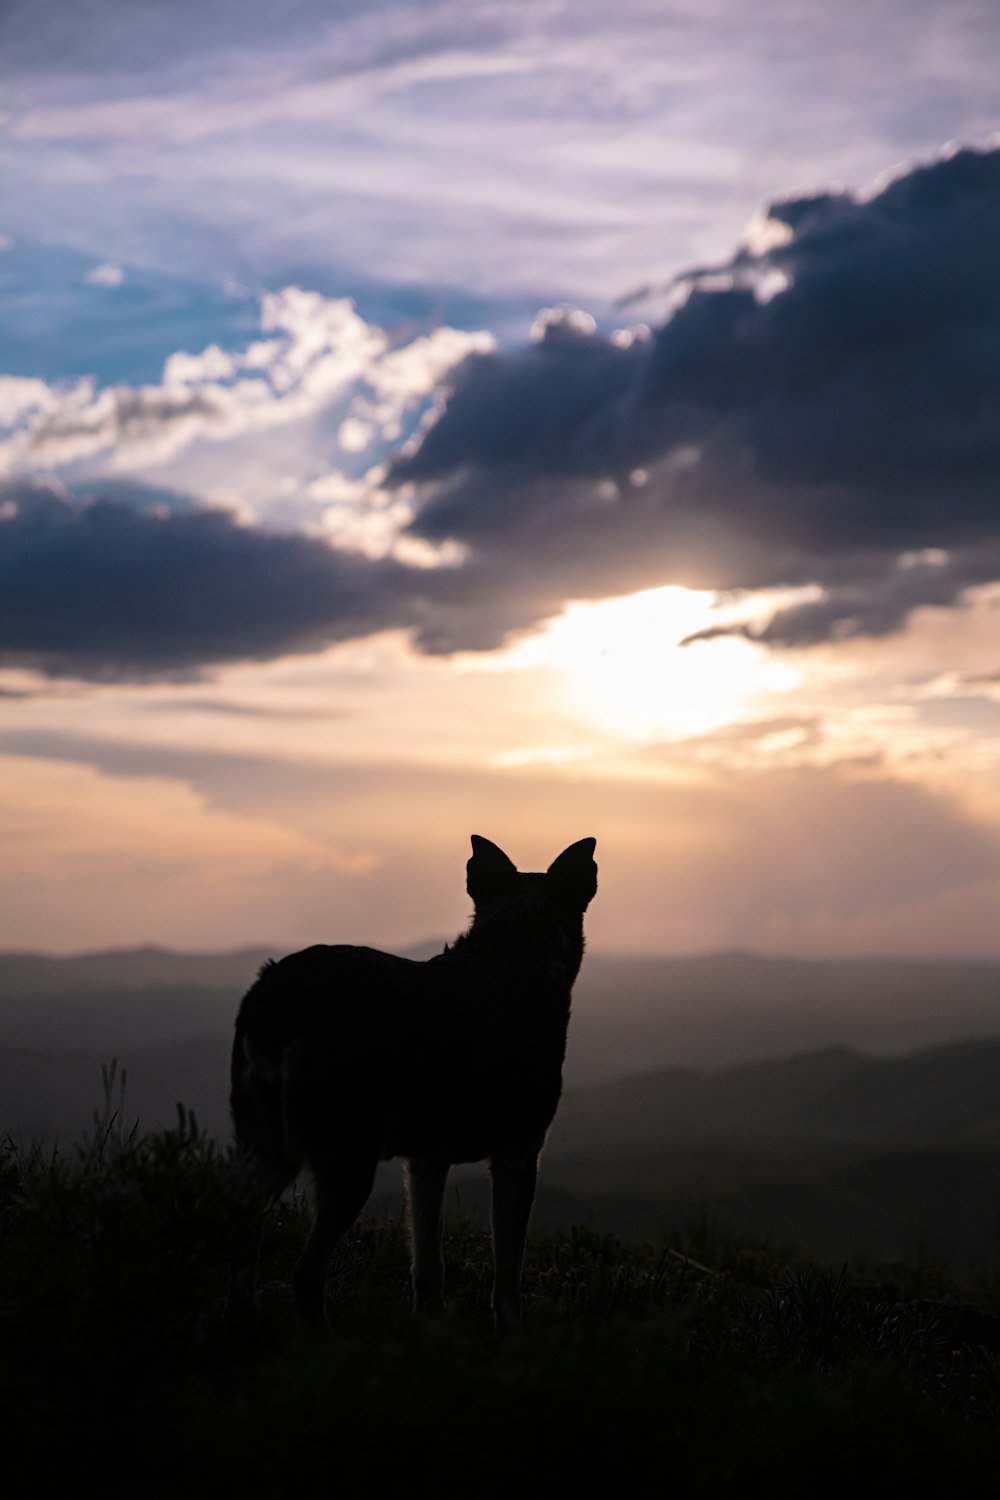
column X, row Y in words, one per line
column 702, row 1367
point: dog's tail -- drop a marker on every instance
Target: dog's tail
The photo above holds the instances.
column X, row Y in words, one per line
column 262, row 1076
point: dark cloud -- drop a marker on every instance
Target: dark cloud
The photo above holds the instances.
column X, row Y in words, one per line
column 812, row 433
column 106, row 590
column 875, row 602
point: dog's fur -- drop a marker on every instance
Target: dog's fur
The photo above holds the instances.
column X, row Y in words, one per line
column 346, row 1056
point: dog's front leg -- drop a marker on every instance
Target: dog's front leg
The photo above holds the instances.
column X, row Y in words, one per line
column 514, row 1175
column 425, row 1180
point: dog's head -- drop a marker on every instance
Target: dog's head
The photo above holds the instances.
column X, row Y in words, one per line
column 571, row 879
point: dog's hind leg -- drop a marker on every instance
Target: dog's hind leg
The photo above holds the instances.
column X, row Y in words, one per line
column 267, row 1161
column 514, row 1175
column 266, row 1188
column 425, row 1180
column 342, row 1190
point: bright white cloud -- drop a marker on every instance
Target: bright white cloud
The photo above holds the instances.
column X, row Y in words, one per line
column 21, row 397
column 317, row 352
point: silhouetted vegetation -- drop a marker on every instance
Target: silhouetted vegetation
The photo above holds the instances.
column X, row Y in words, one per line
column 703, row 1366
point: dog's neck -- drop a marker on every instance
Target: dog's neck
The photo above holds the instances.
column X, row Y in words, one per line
column 516, row 943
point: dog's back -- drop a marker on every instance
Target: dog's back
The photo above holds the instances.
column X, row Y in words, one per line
column 347, row 1055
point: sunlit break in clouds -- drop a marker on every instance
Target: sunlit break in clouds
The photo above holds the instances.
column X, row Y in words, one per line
column 524, row 420
column 625, row 670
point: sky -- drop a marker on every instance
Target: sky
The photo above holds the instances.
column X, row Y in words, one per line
column 538, row 420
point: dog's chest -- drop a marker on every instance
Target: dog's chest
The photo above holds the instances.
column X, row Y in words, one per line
column 485, row 1081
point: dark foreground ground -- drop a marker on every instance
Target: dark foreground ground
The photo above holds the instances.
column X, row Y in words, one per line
column 639, row 1372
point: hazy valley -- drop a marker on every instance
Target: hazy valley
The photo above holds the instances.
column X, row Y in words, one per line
column 848, row 1107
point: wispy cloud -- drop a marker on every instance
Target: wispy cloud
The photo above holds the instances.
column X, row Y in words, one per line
column 594, row 142
column 233, row 849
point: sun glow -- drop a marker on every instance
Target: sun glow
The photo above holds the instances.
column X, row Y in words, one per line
column 625, row 671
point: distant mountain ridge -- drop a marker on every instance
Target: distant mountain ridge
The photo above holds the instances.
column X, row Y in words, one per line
column 131, row 968
column 630, row 1013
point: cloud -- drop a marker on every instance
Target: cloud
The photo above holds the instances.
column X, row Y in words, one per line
column 119, row 857
column 818, row 413
column 316, row 351
column 20, row 396
column 724, row 861
column 876, row 601
column 105, row 590
column 106, row 274
column 275, row 141
column 140, row 580
column 821, row 411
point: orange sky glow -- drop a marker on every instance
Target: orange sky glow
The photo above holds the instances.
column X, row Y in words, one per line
column 510, row 426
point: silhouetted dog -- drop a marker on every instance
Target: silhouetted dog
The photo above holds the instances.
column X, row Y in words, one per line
column 346, row 1056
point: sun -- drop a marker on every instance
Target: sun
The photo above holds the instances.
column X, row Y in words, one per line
column 622, row 668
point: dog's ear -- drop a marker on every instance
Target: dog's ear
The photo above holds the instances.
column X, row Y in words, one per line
column 488, row 871
column 576, row 873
